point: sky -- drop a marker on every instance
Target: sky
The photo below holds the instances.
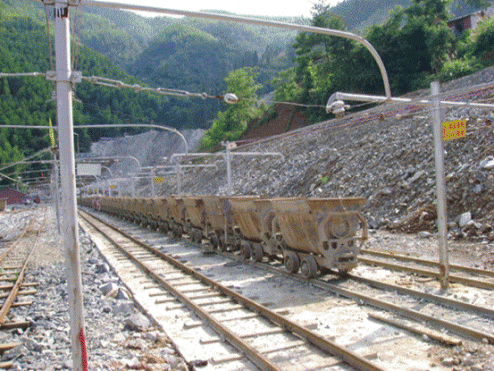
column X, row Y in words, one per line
column 294, row 8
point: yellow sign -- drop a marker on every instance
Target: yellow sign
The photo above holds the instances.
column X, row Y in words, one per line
column 454, row 129
column 158, row 179
column 52, row 134
column 113, row 186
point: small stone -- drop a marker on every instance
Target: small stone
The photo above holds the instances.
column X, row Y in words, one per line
column 424, row 234
column 464, row 219
column 108, row 287
column 137, row 322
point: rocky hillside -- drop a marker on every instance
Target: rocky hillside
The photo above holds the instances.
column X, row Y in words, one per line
column 384, row 154
column 148, row 148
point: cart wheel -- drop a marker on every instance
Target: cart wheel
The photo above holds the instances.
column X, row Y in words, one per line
column 309, row 267
column 222, row 245
column 165, row 228
column 344, row 271
column 177, row 232
column 256, row 252
column 245, row 252
column 198, row 236
column 292, row 262
column 214, row 241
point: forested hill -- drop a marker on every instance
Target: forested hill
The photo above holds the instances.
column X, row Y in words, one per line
column 27, row 101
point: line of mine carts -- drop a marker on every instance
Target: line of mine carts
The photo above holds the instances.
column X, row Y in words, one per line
column 313, row 235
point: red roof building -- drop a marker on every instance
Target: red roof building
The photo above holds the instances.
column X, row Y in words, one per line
column 12, row 196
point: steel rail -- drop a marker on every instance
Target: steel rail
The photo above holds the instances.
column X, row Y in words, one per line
column 328, row 346
column 429, row 273
column 238, row 343
column 11, row 247
column 396, row 256
column 459, row 329
column 424, row 295
column 7, row 304
column 381, row 304
column 410, row 313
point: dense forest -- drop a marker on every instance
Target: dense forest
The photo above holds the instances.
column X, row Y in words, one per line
column 215, row 57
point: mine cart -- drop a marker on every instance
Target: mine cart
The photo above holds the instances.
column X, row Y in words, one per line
column 254, row 218
column 161, row 214
column 196, row 218
column 320, row 234
column 128, row 209
column 219, row 222
column 152, row 210
column 140, row 211
column 176, row 215
column 133, row 210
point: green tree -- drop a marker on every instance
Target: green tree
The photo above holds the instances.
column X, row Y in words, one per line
column 231, row 123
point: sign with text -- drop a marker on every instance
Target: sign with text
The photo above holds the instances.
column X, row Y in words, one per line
column 454, row 129
column 158, row 179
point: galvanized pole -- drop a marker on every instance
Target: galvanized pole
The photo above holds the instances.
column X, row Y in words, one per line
column 178, row 170
column 228, row 159
column 56, row 192
column 440, row 188
column 67, row 169
column 153, row 190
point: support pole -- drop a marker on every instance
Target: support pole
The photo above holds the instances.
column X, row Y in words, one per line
column 178, row 170
column 440, row 188
column 67, row 171
column 228, row 159
column 153, row 190
column 56, row 191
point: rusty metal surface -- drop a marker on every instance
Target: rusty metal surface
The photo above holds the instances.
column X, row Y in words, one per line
column 195, row 210
column 176, row 208
column 247, row 217
column 306, row 223
column 215, row 212
column 162, row 208
column 297, row 224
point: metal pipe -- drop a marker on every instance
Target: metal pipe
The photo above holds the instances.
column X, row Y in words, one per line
column 175, row 131
column 339, row 96
column 258, row 22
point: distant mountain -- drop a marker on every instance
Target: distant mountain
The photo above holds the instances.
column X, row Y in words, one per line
column 360, row 14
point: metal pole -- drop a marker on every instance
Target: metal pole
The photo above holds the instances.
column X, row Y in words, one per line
column 153, row 191
column 133, row 186
column 67, row 168
column 56, row 193
column 228, row 159
column 178, row 170
column 440, row 188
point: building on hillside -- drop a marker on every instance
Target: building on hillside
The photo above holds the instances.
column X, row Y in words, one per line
column 465, row 22
column 468, row 19
column 12, row 196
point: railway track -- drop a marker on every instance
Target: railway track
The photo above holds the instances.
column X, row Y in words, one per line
column 460, row 274
column 433, row 317
column 273, row 342
column 13, row 268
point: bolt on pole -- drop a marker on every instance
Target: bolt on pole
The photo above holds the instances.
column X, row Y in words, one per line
column 67, row 171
